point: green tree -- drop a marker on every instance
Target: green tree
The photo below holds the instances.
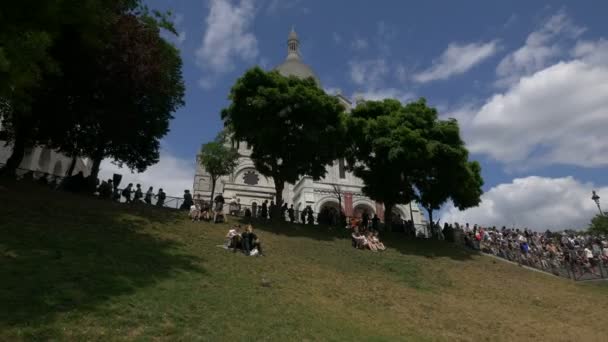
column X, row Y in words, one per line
column 218, row 159
column 599, row 225
column 386, row 150
column 292, row 126
column 447, row 173
column 405, row 153
column 117, row 103
column 115, row 86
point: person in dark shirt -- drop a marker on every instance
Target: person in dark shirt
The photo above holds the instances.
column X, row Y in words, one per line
column 188, row 202
column 219, row 208
column 292, row 216
column 265, row 209
column 138, row 194
column 249, row 241
column 126, row 193
column 161, row 198
column 375, row 223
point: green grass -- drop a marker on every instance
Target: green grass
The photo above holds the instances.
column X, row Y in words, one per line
column 77, row 268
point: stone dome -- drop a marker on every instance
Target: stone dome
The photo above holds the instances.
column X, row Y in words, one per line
column 293, row 65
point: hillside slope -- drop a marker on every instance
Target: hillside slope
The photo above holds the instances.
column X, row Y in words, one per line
column 78, row 268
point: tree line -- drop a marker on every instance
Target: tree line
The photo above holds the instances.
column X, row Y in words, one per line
column 87, row 78
column 402, row 152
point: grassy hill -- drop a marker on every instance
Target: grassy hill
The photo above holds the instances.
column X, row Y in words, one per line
column 78, row 268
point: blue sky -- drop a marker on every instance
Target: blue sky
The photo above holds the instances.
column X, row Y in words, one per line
column 528, row 81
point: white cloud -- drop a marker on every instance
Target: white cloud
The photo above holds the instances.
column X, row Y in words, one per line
column 369, row 73
column 542, row 46
column 558, row 115
column 535, row 202
column 457, row 59
column 359, row 44
column 172, row 174
column 227, row 37
column 336, row 37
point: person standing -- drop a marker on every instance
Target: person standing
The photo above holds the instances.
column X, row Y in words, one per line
column 219, row 208
column 291, row 214
column 161, row 198
column 254, row 209
column 126, row 193
column 138, row 194
column 149, row 195
column 265, row 209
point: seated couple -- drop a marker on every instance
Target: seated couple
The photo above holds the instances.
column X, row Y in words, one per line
column 367, row 241
column 246, row 241
column 197, row 213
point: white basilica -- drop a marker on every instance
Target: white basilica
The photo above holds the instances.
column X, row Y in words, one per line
column 248, row 186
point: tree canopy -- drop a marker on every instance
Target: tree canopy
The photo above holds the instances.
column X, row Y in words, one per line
column 405, row 153
column 114, row 86
column 599, row 225
column 218, row 160
column 292, row 126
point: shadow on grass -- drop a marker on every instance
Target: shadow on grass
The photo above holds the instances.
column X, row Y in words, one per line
column 314, row 232
column 60, row 253
column 426, row 247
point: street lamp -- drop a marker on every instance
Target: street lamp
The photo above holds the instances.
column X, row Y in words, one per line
column 596, row 199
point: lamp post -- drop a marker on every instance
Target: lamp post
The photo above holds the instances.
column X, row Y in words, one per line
column 596, row 199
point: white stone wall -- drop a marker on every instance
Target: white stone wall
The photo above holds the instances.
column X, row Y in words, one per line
column 45, row 160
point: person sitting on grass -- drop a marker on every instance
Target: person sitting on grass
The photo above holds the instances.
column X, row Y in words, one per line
column 360, row 241
column 250, row 241
column 233, row 238
column 195, row 212
column 370, row 244
column 376, row 241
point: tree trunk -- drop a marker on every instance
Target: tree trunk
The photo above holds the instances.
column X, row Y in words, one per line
column 13, row 162
column 213, row 181
column 95, row 167
column 72, row 166
column 388, row 217
column 278, row 187
column 430, row 211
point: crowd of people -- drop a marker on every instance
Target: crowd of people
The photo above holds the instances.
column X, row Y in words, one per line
column 364, row 235
column 558, row 253
column 108, row 190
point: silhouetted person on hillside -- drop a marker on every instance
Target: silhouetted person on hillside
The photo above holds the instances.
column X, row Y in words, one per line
column 126, row 193
column 138, row 194
column 291, row 214
column 149, row 195
column 283, row 211
column 272, row 209
column 310, row 217
column 375, row 223
column 188, row 202
column 265, row 209
column 161, row 198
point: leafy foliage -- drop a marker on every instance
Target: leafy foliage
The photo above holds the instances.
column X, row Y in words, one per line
column 406, row 153
column 218, row 159
column 114, row 86
column 599, row 225
column 293, row 127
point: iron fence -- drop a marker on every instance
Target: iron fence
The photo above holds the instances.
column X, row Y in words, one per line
column 568, row 265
